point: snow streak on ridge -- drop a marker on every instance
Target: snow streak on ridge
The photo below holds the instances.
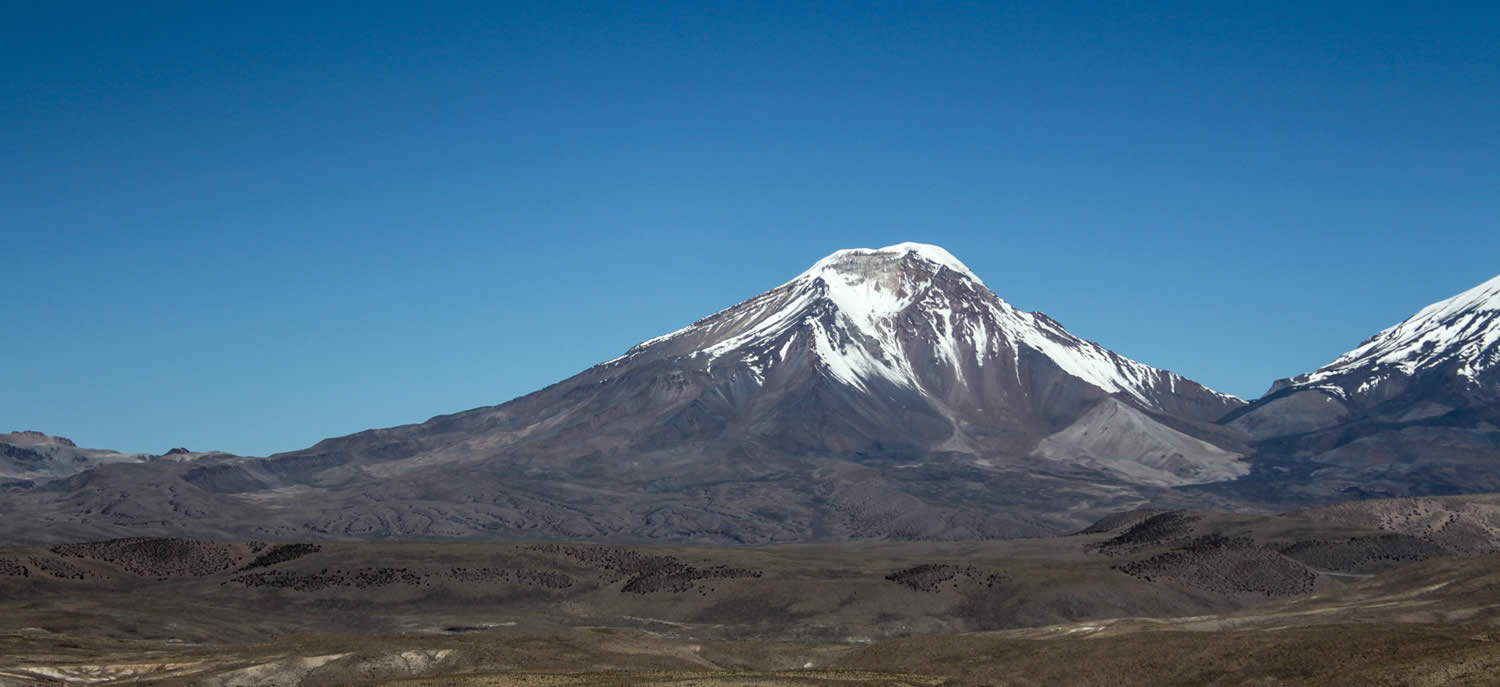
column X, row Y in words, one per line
column 861, row 306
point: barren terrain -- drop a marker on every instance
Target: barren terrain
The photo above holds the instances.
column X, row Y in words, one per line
column 1400, row 591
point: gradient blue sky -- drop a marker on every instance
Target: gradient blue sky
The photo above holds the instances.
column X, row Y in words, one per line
column 250, row 228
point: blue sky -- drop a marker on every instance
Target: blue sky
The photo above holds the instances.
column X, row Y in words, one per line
column 251, row 228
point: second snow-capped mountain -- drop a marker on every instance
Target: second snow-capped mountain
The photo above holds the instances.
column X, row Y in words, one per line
column 1411, row 411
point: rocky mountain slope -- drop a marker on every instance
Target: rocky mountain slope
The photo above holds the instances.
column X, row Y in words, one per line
column 29, row 457
column 1415, row 409
column 880, row 394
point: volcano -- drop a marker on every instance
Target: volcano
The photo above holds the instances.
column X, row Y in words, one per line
column 882, row 393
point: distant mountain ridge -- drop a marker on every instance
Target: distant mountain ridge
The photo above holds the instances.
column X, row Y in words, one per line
column 28, row 457
column 1413, row 410
column 1456, row 341
column 880, row 394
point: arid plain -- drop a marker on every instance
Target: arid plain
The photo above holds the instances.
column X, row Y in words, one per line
column 1403, row 591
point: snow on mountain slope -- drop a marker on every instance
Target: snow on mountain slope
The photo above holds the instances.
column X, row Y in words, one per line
column 1461, row 334
column 881, row 394
column 1411, row 411
column 886, row 314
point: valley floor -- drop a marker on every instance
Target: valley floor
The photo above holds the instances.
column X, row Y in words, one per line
column 1376, row 593
column 1339, row 654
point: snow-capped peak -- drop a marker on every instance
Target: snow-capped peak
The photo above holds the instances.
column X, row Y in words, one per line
column 843, row 260
column 910, row 315
column 870, row 287
column 1464, row 329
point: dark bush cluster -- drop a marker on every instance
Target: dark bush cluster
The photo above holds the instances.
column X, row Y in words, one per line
column 1110, row 523
column 161, row 558
column 929, row 577
column 619, row 561
column 359, row 578
column 1157, row 529
column 1225, row 565
column 672, row 576
column 546, row 579
column 10, row 568
column 643, row 574
column 367, row 577
column 59, row 569
column 280, row 554
column 1363, row 554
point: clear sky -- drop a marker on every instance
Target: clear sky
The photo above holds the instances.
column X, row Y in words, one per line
column 251, row 228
